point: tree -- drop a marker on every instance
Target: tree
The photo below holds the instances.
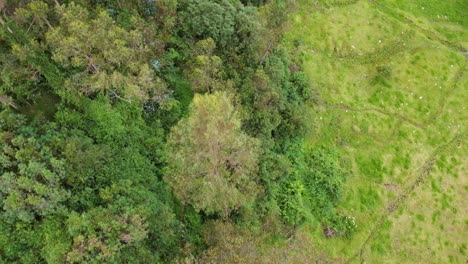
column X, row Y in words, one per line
column 262, row 100
column 215, row 19
column 105, row 235
column 102, row 56
column 228, row 23
column 228, row 243
column 30, row 176
column 19, row 79
column 206, row 72
column 212, row 163
column 64, row 195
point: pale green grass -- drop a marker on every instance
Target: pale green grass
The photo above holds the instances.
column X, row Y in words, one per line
column 393, row 93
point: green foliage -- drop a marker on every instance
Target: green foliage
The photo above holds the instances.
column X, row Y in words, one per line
column 35, row 13
column 206, row 73
column 59, row 175
column 223, row 159
column 103, row 235
column 31, row 177
column 101, row 55
column 291, row 201
column 324, row 179
column 229, row 244
column 56, row 240
column 275, row 100
column 313, row 189
column 15, row 78
column 32, row 193
column 21, row 242
column 343, row 225
column 228, row 23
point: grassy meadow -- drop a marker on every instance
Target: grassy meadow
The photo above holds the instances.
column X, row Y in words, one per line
column 392, row 94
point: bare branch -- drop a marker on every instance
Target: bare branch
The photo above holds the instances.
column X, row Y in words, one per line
column 119, row 97
column 5, row 100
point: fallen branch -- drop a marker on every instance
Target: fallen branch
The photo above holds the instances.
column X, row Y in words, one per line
column 5, row 100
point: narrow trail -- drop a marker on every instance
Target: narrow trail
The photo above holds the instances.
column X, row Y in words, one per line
column 388, row 50
column 410, row 23
column 378, row 110
column 447, row 93
column 424, row 173
column 340, row 3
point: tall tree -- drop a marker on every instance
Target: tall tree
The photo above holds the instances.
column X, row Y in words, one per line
column 206, row 73
column 102, row 56
column 212, row 163
column 30, row 175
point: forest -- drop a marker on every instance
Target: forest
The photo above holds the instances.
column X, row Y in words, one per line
column 233, row 131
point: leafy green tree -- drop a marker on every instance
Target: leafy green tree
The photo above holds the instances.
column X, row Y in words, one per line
column 324, row 179
column 206, row 73
column 212, row 163
column 35, row 15
column 102, row 56
column 276, row 100
column 30, row 176
column 16, row 80
column 313, row 189
column 164, row 12
column 292, row 200
column 19, row 79
column 230, row 244
column 50, row 173
column 32, row 192
column 118, row 165
column 215, row 19
column 228, row 23
column 263, row 102
column 103, row 235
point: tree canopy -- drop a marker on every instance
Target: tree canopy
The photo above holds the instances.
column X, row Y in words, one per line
column 156, row 131
column 221, row 176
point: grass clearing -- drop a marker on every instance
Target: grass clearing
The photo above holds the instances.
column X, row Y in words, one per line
column 392, row 85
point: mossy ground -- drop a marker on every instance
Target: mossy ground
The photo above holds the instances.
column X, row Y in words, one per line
column 391, row 90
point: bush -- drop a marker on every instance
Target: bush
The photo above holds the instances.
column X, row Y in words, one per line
column 313, row 188
column 344, row 226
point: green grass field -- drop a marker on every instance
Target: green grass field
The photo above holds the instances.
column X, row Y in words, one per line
column 393, row 96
